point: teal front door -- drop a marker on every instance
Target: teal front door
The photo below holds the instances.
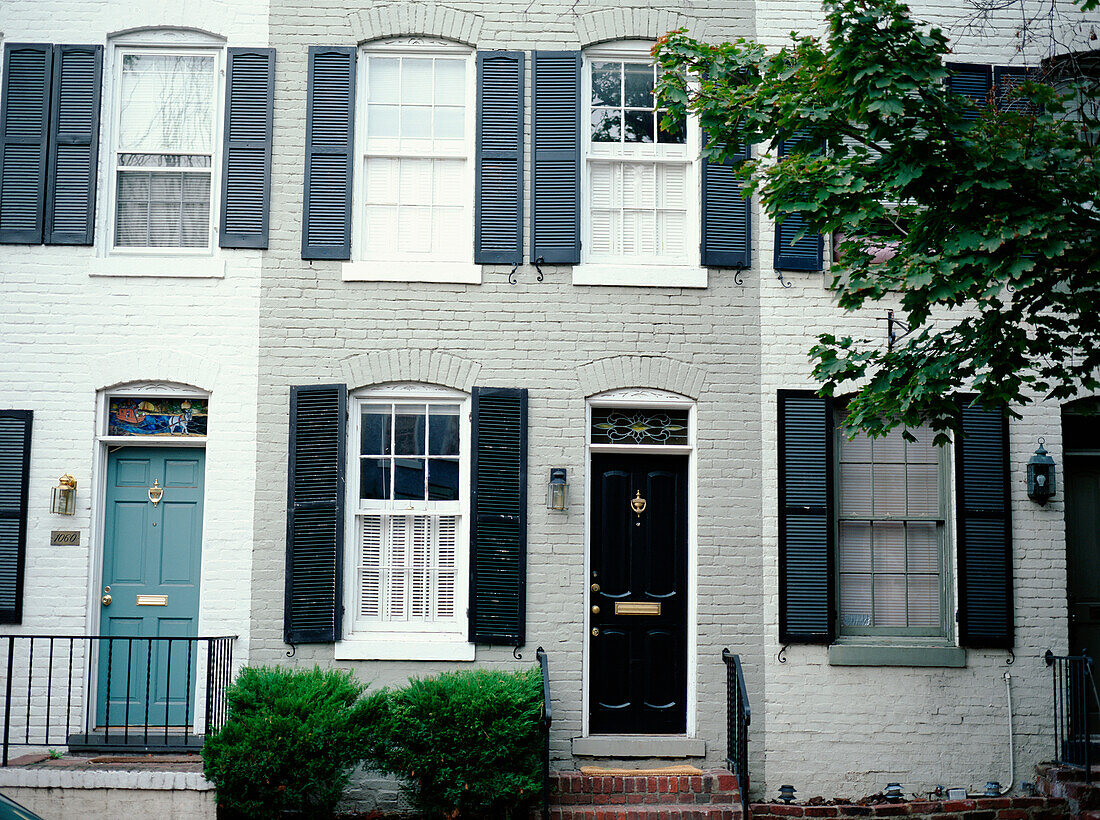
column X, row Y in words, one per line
column 150, row 589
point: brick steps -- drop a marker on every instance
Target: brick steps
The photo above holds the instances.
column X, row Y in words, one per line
column 1067, row 782
column 704, row 796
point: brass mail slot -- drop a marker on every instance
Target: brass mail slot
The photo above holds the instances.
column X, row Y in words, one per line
column 638, row 608
column 152, row 600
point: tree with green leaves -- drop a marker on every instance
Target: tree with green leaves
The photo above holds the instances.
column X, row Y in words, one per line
column 978, row 221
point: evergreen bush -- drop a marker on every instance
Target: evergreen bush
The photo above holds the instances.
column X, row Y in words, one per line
column 290, row 740
column 465, row 744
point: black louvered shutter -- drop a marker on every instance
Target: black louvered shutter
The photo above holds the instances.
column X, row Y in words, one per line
column 498, row 192
column 315, row 514
column 1005, row 81
column 74, row 145
column 973, row 81
column 805, row 518
column 330, row 133
column 498, row 531
column 805, row 253
column 246, row 160
column 15, row 460
column 24, row 138
column 726, row 227
column 984, row 530
column 556, row 158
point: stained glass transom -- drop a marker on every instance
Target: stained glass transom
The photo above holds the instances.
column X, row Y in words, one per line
column 617, row 426
column 137, row 416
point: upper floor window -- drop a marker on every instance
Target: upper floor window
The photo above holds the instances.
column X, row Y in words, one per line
column 164, row 152
column 891, row 519
column 640, row 193
column 415, row 150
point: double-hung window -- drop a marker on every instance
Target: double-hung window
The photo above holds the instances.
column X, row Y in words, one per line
column 891, row 520
column 415, row 146
column 409, row 504
column 164, row 154
column 640, row 181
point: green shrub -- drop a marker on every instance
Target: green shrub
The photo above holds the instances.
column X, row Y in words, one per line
column 464, row 743
column 289, row 742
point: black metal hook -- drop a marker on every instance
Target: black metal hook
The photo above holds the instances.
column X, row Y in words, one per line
column 512, row 275
column 515, row 653
column 892, row 336
column 737, row 280
column 290, row 653
column 1011, row 659
column 782, row 656
column 782, row 281
column 539, row 261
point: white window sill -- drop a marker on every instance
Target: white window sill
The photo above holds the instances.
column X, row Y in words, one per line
column 167, row 267
column 405, row 647
column 643, row 276
column 462, row 273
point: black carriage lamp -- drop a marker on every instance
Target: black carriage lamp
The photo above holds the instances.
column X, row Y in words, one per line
column 557, row 490
column 1041, row 476
column 63, row 497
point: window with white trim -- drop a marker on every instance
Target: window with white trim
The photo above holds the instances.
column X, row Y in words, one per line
column 891, row 517
column 415, row 147
column 640, row 180
column 409, row 515
column 164, row 156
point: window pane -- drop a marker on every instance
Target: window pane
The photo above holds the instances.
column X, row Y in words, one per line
column 889, row 448
column 409, row 432
column 639, row 185
column 449, row 123
column 375, row 439
column 606, row 125
column 888, row 545
column 443, row 479
column 374, row 478
column 889, row 489
column 855, row 489
column 416, row 122
column 450, row 82
column 638, row 126
column 606, row 78
column 416, row 181
column 166, row 103
column 890, row 607
column 855, row 547
column 443, row 429
column 414, row 229
column 672, row 186
column 855, row 600
column 447, row 179
column 923, row 450
column 382, row 120
column 606, row 229
column 383, row 73
column 922, row 546
column 857, row 449
column 162, row 209
column 638, row 85
column 924, row 600
column 446, row 547
column 408, row 478
column 164, row 160
column 924, row 489
column 416, row 81
column 675, row 134
column 370, row 566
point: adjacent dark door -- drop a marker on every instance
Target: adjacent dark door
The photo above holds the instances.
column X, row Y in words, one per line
column 638, row 595
column 1083, row 553
column 151, row 555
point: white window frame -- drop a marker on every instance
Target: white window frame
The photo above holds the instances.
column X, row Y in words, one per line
column 167, row 42
column 418, row 641
column 409, row 268
column 630, row 271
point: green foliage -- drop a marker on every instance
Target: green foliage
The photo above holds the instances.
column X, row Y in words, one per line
column 978, row 222
column 465, row 744
column 290, row 740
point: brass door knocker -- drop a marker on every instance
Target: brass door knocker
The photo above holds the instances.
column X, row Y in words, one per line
column 638, row 505
column 155, row 492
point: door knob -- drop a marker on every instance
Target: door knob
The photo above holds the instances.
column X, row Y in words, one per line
column 595, row 587
column 106, row 599
column 595, row 632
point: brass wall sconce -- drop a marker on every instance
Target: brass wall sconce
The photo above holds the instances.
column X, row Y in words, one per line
column 63, row 497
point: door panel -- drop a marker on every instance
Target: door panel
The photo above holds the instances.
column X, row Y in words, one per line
column 638, row 670
column 150, row 550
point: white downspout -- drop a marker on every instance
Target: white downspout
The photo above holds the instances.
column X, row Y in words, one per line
column 1011, row 749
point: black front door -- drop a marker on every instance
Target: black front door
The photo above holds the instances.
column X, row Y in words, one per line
column 638, row 594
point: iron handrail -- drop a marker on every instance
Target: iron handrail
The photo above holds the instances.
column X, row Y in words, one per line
column 1073, row 681
column 547, row 718
column 48, row 690
column 738, row 718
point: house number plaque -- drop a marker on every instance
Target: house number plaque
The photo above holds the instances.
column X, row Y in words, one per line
column 65, row 538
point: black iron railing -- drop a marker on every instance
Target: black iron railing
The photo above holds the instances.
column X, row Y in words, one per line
column 546, row 721
column 112, row 692
column 1075, row 697
column 738, row 717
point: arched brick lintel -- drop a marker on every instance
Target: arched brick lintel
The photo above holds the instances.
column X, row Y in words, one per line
column 618, row 372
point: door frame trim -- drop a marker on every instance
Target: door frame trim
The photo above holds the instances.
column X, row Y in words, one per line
column 648, row 398
column 96, row 538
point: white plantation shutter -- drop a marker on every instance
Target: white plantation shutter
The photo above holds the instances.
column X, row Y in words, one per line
column 639, row 209
column 408, row 567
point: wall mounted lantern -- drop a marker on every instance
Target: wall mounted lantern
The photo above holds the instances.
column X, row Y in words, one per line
column 63, row 498
column 557, row 490
column 1041, row 478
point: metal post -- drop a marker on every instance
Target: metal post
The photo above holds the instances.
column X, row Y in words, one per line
column 7, row 696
